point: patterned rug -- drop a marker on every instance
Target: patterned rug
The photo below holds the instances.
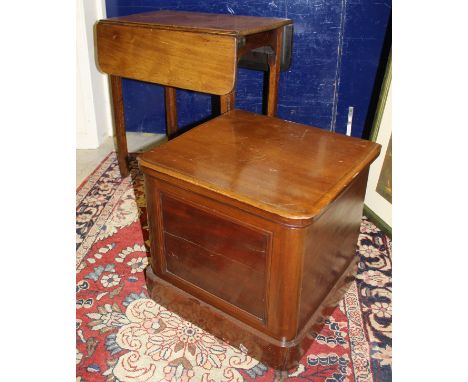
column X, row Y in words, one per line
column 122, row 335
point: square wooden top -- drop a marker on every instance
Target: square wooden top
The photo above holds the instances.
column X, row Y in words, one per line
column 285, row 168
column 202, row 22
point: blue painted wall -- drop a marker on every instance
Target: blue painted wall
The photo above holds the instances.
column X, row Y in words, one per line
column 336, row 50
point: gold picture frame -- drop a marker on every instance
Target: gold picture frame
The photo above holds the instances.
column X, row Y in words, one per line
column 378, row 201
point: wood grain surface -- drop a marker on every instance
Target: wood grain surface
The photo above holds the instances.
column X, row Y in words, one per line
column 203, row 22
column 194, row 61
column 281, row 167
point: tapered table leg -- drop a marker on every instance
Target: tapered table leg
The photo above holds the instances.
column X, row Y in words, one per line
column 171, row 110
column 227, row 101
column 119, row 121
column 274, row 73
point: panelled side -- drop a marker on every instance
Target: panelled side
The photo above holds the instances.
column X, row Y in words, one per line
column 329, row 249
column 211, row 250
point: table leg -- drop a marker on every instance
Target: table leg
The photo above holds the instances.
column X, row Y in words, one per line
column 227, row 101
column 119, row 122
column 274, row 73
column 171, row 110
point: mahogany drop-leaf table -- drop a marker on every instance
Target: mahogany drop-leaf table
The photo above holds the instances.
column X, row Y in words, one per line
column 186, row 50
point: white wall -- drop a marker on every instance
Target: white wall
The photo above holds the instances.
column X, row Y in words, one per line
column 94, row 121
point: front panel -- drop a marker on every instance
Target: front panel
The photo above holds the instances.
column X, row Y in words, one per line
column 215, row 253
column 240, row 263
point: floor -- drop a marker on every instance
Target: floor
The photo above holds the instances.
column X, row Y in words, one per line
column 88, row 160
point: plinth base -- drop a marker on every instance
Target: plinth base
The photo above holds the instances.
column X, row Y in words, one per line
column 281, row 355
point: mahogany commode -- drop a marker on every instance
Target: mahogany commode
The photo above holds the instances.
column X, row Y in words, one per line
column 253, row 224
column 187, row 50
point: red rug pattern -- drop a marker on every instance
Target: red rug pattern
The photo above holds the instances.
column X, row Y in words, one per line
column 122, row 335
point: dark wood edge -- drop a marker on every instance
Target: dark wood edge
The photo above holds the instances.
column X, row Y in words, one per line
column 222, row 198
column 280, row 23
